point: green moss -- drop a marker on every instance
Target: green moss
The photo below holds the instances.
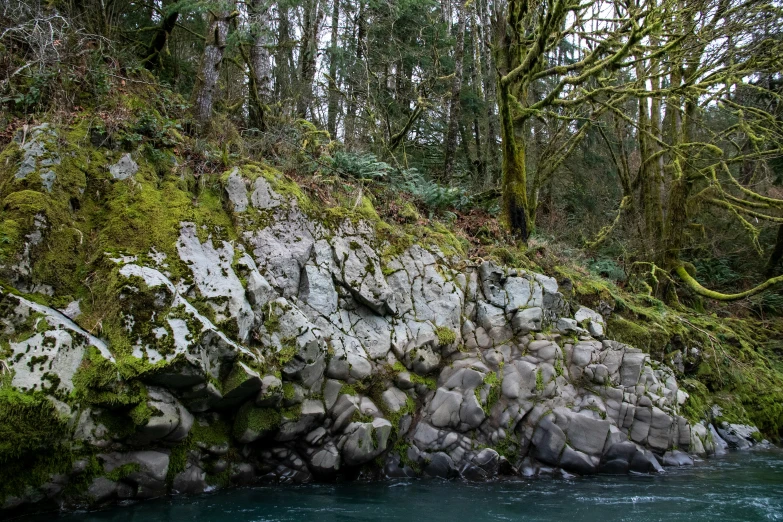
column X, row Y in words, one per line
column 96, row 372
column 141, row 414
column 28, row 422
column 129, row 367
column 508, row 448
column 98, row 382
column 697, row 405
column 280, row 183
column 429, row 382
column 446, row 335
column 10, row 238
column 32, row 324
column 507, row 256
column 408, row 213
column 28, row 202
column 492, row 384
column 288, row 391
column 444, row 238
column 293, row 413
column 401, row 449
column 358, row 416
column 17, row 476
column 32, row 435
column 215, row 433
column 348, row 389
column 204, row 308
column 409, row 408
column 148, row 213
column 221, row 480
column 88, row 213
column 272, row 323
column 235, row 378
column 539, row 381
column 123, row 471
column 649, row 337
column 259, row 420
column 287, row 352
column 178, row 459
column 352, row 210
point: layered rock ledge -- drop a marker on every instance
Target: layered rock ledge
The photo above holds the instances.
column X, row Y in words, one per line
column 310, row 349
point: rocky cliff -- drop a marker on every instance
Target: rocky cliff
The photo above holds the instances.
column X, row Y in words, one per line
column 167, row 333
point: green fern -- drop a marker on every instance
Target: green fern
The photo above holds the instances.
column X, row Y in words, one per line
column 432, row 194
column 360, row 166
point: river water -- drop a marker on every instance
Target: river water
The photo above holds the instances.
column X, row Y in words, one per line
column 739, row 486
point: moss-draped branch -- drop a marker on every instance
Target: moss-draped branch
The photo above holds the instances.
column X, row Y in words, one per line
column 694, row 285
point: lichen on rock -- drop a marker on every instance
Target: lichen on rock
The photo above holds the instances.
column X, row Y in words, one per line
column 237, row 331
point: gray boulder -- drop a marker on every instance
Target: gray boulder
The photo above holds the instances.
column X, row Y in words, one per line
column 124, row 168
column 363, row 441
column 738, row 436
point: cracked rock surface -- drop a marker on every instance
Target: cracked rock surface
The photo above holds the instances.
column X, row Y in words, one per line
column 298, row 352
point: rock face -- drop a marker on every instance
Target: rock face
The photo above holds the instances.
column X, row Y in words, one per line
column 297, row 351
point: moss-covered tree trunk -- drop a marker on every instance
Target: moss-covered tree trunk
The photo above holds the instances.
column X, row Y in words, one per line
column 514, row 176
column 677, row 215
column 511, row 92
column 650, row 183
column 152, row 58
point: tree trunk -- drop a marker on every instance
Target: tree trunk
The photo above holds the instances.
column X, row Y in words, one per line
column 260, row 66
column 354, row 91
column 334, row 95
column 481, row 165
column 490, row 96
column 308, row 52
column 284, row 60
column 465, row 142
column 777, row 254
column 649, row 179
column 456, row 88
column 514, row 181
column 159, row 40
column 677, row 218
column 209, row 70
column 477, row 81
column 508, row 55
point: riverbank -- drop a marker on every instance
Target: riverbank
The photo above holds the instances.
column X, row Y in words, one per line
column 236, row 329
column 744, row 485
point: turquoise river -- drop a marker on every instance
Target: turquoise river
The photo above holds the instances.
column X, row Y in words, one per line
column 739, row 486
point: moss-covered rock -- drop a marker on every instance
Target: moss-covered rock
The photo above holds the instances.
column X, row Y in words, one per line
column 234, row 321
